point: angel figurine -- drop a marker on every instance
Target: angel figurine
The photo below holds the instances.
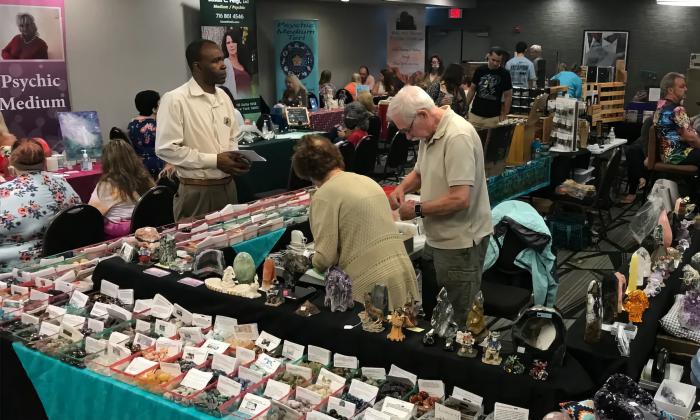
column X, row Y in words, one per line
column 398, row 320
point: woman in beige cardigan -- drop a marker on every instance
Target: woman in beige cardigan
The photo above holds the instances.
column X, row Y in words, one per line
column 352, row 225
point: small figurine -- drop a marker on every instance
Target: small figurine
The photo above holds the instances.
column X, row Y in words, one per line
column 466, row 341
column 228, row 281
column 273, row 296
column 372, row 318
column 594, row 313
column 475, row 320
column 492, row 349
column 513, row 365
column 397, row 323
column 147, row 238
column 167, row 250
column 539, row 370
column 410, row 310
column 429, row 338
column 635, row 305
column 269, row 273
column 338, row 290
column 144, row 255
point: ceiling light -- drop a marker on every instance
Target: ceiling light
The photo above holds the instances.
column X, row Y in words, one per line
column 695, row 3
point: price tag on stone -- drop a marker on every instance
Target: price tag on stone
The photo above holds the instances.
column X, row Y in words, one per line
column 144, row 341
column 202, row 321
column 172, row 369
column 249, row 374
column 228, row 387
column 292, row 351
column 363, row 391
column 94, row 346
column 142, row 326
column 303, row 371
column 118, row 350
column 319, row 355
column 165, row 329
column 467, row 396
column 36, row 295
column 109, row 289
column 344, row 408
column 215, row 346
column 182, row 314
column 49, row 329
column 78, row 299
column 396, row 404
column 95, row 325
column 374, row 373
column 139, row 365
column 194, row 354
column 196, row 379
column 433, row 388
column 342, row 361
column 446, row 413
column 192, row 334
column 336, row 381
column 267, row 341
column 29, row 319
column 126, row 296
column 276, row 390
column 267, row 363
column 245, row 355
column 63, row 286
column 224, row 363
column 253, row 405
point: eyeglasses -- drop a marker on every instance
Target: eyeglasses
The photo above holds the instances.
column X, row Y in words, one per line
column 410, row 127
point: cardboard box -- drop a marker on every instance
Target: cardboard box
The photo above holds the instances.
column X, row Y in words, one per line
column 684, row 392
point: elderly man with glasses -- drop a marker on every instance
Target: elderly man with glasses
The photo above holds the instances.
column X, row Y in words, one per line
column 454, row 200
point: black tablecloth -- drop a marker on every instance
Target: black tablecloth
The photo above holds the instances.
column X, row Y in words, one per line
column 270, row 175
column 18, row 399
column 326, row 329
column 602, row 359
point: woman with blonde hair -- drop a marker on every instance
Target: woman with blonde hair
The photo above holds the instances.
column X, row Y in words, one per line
column 366, row 99
column 124, row 180
column 352, row 86
column 295, row 94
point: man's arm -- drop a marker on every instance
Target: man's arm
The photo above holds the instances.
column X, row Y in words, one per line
column 409, row 184
column 507, row 102
column 470, row 93
column 455, row 200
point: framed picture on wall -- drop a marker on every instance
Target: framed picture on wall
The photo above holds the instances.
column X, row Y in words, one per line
column 604, row 48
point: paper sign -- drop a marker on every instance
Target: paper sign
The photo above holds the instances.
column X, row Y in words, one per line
column 73, row 320
column 246, row 331
column 196, row 379
column 344, row 408
column 446, row 413
column 156, row 272
column 224, row 363
column 99, row 310
column 161, row 300
column 29, row 319
column 267, row 341
column 70, row 333
column 118, row 350
column 18, row 290
column 166, row 329
column 94, row 346
column 508, row 412
column 117, row 312
column 303, row 371
column 397, row 372
column 202, row 321
column 252, row 155
column 372, row 414
column 432, row 387
column 319, row 355
column 3, row 285
column 363, row 391
column 374, row 373
column 95, row 325
column 40, row 282
column 215, row 346
column 467, row 396
column 224, row 325
column 126, row 296
column 342, row 361
column 63, row 286
column 317, row 415
column 194, row 354
column 182, row 314
column 276, row 390
column 162, row 312
column 292, row 351
column 118, row 338
column 249, row 374
column 200, row 228
column 144, row 341
column 304, row 394
column 172, row 369
column 78, row 299
column 336, row 381
column 143, row 326
column 173, row 346
column 253, row 405
column 245, row 355
column 189, row 281
column 267, row 363
column 142, row 305
column 396, row 404
column 36, row 295
column 139, row 365
column 109, row 289
column 49, row 329
column 228, row 386
column 191, row 334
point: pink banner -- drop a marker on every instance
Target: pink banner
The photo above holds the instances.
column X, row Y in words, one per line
column 33, row 75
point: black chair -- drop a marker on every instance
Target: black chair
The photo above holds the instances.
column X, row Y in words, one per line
column 154, row 208
column 348, row 95
column 397, row 158
column 348, row 152
column 72, row 228
column 374, row 126
column 366, row 156
column 496, row 144
column 293, row 183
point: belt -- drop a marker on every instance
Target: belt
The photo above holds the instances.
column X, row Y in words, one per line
column 205, row 182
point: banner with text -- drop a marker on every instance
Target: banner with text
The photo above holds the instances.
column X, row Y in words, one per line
column 296, row 52
column 231, row 24
column 33, row 75
column 406, row 39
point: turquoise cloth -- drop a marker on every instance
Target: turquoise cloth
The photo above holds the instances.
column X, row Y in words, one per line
column 540, row 265
column 259, row 248
column 69, row 393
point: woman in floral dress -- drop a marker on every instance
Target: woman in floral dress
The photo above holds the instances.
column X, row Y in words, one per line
column 142, row 130
column 27, row 204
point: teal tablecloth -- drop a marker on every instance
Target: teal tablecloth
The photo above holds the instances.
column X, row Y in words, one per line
column 260, row 247
column 68, row 393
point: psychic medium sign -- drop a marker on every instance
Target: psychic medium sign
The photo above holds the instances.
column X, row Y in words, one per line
column 33, row 75
column 296, row 52
column 231, row 24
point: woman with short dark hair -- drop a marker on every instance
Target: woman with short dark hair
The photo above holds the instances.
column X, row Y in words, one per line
column 435, row 69
column 352, row 225
column 142, row 130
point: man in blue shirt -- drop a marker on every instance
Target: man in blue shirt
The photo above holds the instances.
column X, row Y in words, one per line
column 522, row 71
column 570, row 79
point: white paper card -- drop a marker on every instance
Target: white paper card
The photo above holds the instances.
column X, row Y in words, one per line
column 95, row 325
column 142, row 305
column 400, row 373
column 396, row 404
column 336, row 381
column 363, row 391
column 173, row 346
column 144, row 341
column 166, row 329
column 29, row 319
column 372, row 414
column 156, row 272
column 49, row 329
column 276, row 390
column 224, row 363
column 99, row 310
column 118, row 338
column 182, row 314
column 317, row 415
column 118, row 350
column 446, row 413
column 342, row 407
column 142, row 326
column 252, row 155
column 303, row 371
column 55, row 311
column 467, row 396
column 202, row 321
column 292, row 351
column 172, row 369
column 39, row 281
column 18, row 290
column 228, row 386
column 196, row 379
column 194, row 354
column 432, row 387
column 126, row 296
column 78, row 299
column 249, row 374
column 343, row 361
column 267, row 363
column 191, row 334
column 245, row 355
column 73, row 320
column 267, row 341
column 63, row 286
column 162, row 312
column 109, row 289
column 71, row 333
column 253, row 405
column 246, row 331
column 117, row 312
column 139, row 365
column 36, row 295
column 319, row 355
column 94, row 346
column 374, row 373
column 224, row 325
column 215, row 346
column 309, row 396
column 508, row 412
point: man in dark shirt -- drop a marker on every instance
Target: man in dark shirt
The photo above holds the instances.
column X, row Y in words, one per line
column 492, row 92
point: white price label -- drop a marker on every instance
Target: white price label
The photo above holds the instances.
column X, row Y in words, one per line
column 509, row 412
column 172, row 369
column 194, row 354
column 249, row 375
column 342, row 407
column 374, row 373
column 55, row 311
column 245, row 355
column 36, row 295
column 196, row 379
column 267, row 341
column 253, row 405
column 246, row 331
column 223, row 325
column 214, row 346
column 78, row 299
column 109, row 289
column 165, row 329
column 29, row 319
column 303, row 371
column 49, row 329
column 144, row 341
column 118, row 338
column 126, row 296
column 432, row 387
column 228, row 387
column 292, row 351
column 276, row 390
column 467, row 396
column 397, row 372
column 372, row 414
column 99, row 310
column 342, row 361
column 363, row 391
column 139, row 365
column 319, row 355
column 304, row 394
column 267, row 363
column 18, row 290
column 192, row 334
column 95, row 325
column 94, row 346
column 173, row 346
column 202, row 321
column 225, row 363
column 63, row 286
column 73, row 320
column 446, row 413
column 182, row 314
column 142, row 326
column 117, row 312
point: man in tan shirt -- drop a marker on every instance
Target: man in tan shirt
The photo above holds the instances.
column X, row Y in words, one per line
column 197, row 135
column 454, row 199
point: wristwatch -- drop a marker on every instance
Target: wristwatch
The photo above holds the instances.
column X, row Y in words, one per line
column 419, row 210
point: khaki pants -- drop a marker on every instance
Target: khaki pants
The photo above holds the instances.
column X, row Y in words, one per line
column 458, row 271
column 198, row 200
column 481, row 122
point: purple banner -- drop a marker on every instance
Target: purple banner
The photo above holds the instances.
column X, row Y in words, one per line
column 33, row 75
